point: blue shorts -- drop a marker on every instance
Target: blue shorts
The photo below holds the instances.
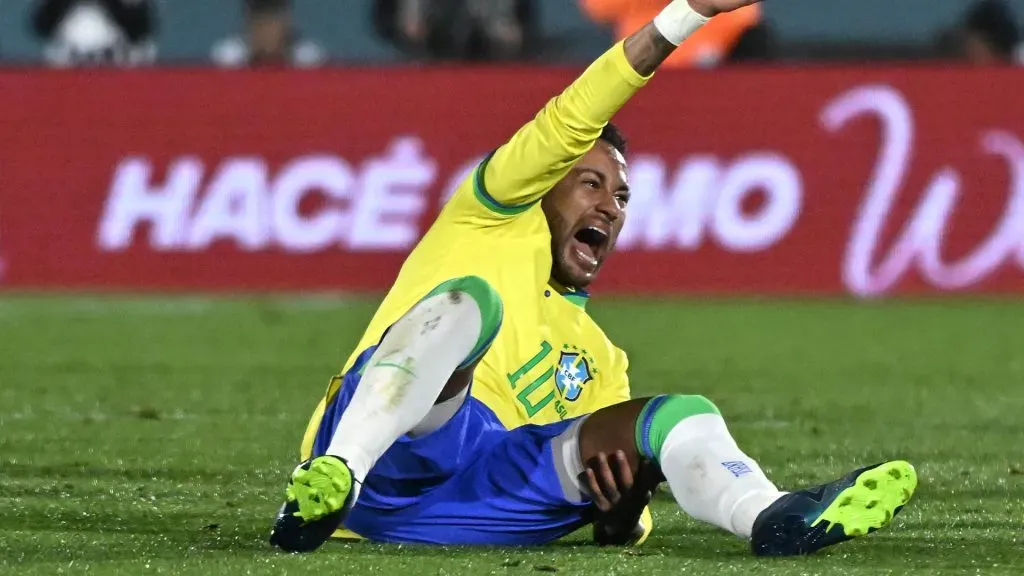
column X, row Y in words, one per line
column 469, row 482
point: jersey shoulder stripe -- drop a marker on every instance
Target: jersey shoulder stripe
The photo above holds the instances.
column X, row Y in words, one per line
column 480, row 190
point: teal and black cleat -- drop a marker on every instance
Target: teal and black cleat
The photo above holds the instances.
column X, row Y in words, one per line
column 856, row 504
column 319, row 495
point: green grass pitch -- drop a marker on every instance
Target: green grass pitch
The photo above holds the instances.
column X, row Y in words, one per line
column 154, row 435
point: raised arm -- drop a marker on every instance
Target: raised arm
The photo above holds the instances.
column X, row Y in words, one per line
column 521, row 171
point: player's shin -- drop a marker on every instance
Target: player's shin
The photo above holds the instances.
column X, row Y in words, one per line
column 711, row 478
column 445, row 331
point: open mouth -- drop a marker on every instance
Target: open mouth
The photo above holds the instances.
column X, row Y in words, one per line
column 589, row 246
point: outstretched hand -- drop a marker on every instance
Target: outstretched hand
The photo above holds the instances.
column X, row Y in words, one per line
column 709, row 8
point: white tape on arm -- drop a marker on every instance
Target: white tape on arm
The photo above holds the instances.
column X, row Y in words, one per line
column 678, row 21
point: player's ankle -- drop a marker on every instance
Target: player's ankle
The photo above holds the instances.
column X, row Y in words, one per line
column 746, row 509
column 356, row 460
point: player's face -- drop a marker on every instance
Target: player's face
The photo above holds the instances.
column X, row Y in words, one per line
column 585, row 212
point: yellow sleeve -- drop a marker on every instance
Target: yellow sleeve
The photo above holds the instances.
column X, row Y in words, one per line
column 516, row 175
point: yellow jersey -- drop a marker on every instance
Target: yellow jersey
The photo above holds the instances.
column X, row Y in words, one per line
column 550, row 361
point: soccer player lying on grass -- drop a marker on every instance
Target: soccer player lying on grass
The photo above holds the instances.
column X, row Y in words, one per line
column 484, row 406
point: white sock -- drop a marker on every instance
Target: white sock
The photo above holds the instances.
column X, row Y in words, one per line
column 439, row 415
column 711, row 478
column 404, row 377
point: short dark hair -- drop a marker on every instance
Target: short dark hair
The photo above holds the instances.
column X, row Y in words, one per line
column 612, row 135
column 994, row 21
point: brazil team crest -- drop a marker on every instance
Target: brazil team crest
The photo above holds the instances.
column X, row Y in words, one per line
column 573, row 373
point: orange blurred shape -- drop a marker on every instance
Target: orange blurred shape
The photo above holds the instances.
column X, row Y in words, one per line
column 707, row 46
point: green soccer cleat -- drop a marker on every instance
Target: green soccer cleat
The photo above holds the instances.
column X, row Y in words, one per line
column 856, row 504
column 319, row 495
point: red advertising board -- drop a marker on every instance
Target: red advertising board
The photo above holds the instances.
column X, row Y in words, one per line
column 785, row 181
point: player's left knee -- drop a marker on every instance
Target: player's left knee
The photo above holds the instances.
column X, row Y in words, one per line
column 487, row 301
column 661, row 414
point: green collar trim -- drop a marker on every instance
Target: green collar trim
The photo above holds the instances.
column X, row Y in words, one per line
column 575, row 296
column 577, row 299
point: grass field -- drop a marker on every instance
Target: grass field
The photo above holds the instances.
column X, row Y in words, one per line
column 143, row 435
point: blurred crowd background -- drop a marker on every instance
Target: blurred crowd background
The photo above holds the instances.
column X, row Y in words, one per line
column 310, row 33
